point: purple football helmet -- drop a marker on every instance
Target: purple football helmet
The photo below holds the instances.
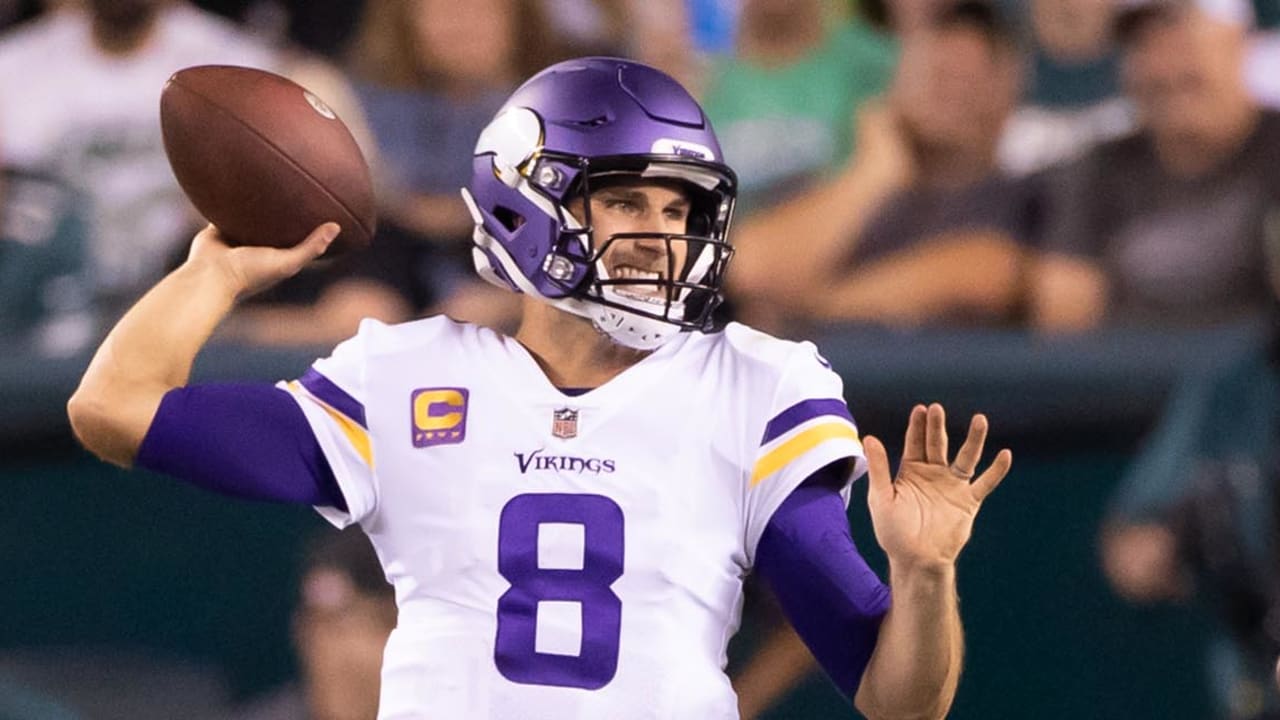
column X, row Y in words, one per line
column 578, row 125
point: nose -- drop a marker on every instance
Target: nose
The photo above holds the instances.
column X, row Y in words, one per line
column 650, row 248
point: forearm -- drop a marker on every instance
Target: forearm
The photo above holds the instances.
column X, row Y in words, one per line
column 151, row 349
column 915, row 669
column 149, row 352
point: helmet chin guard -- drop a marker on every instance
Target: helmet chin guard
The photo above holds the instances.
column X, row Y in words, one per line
column 568, row 130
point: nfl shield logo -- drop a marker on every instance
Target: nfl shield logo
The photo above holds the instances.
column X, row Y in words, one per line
column 564, row 423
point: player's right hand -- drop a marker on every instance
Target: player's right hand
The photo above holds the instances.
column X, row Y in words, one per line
column 248, row 270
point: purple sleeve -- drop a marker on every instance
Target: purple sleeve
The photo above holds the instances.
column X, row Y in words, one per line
column 830, row 595
column 247, row 441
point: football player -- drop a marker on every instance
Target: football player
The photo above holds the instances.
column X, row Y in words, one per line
column 567, row 514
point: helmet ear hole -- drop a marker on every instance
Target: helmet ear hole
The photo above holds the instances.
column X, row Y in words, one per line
column 510, row 219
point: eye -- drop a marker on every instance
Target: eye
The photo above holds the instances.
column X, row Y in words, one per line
column 676, row 214
column 621, row 205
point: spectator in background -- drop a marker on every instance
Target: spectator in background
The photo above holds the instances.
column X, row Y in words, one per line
column 781, row 105
column 1168, row 225
column 1197, row 516
column 908, row 16
column 79, row 88
column 660, row 33
column 882, row 242
column 593, row 27
column 346, row 609
column 429, row 75
column 1073, row 100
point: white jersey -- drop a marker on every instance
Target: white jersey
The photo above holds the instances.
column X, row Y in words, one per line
column 567, row 557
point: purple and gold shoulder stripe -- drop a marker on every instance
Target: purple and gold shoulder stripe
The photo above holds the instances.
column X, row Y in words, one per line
column 345, row 411
column 799, row 429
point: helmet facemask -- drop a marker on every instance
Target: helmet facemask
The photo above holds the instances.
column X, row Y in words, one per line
column 637, row 308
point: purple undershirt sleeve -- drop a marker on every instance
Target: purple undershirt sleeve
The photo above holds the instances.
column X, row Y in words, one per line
column 247, row 441
column 827, row 591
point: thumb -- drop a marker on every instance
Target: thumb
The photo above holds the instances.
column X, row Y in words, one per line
column 878, row 473
column 317, row 243
column 286, row 263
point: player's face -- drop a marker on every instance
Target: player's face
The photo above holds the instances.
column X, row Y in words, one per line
column 639, row 207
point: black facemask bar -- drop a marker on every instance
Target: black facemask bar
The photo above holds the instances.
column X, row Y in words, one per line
column 709, row 219
column 699, row 298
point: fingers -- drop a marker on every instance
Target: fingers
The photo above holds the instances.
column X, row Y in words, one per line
column 293, row 259
column 878, row 472
column 318, row 242
column 913, row 447
column 926, row 441
column 989, row 480
column 256, row 268
column 935, row 445
column 966, row 462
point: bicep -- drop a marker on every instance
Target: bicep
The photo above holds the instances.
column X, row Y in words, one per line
column 244, row 440
column 830, row 595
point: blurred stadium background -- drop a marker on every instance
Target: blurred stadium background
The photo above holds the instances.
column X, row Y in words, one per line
column 125, row 595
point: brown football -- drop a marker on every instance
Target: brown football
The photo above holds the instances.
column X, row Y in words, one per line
column 263, row 158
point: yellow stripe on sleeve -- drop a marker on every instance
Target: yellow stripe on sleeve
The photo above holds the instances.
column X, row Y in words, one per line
column 356, row 435
column 802, row 443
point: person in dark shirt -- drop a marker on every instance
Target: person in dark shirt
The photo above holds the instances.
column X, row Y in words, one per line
column 1169, row 225
column 922, row 198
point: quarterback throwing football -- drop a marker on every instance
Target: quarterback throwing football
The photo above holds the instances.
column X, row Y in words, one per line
column 567, row 515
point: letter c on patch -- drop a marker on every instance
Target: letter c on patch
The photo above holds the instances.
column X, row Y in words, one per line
column 438, row 409
column 439, row 416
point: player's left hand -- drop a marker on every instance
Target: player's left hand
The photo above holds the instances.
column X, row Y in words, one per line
column 924, row 516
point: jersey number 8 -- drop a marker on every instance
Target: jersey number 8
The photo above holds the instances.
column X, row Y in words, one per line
column 516, row 652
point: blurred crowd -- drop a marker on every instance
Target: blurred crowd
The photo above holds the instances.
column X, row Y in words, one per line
column 1050, row 165
column 1086, row 161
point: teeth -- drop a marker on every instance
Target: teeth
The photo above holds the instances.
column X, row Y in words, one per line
column 627, row 272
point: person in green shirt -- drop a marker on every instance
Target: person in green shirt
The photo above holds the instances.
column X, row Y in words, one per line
column 783, row 104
